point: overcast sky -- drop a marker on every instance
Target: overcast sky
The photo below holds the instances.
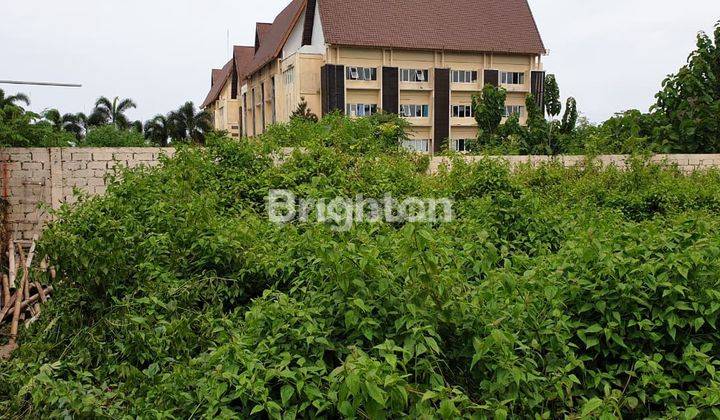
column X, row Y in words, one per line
column 611, row 55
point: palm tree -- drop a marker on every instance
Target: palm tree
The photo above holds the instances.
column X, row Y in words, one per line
column 158, row 130
column 188, row 124
column 76, row 124
column 111, row 112
column 137, row 126
column 13, row 100
column 72, row 123
column 53, row 117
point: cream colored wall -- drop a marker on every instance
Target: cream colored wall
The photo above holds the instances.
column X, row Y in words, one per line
column 307, row 82
column 255, row 82
column 309, row 77
column 226, row 111
column 422, row 93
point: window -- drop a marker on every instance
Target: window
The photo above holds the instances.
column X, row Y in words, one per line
column 464, row 76
column 415, row 111
column 460, row 145
column 272, row 99
column 514, row 109
column 512, row 78
column 462, row 111
column 421, row 145
column 414, row 75
column 360, row 110
column 361, row 73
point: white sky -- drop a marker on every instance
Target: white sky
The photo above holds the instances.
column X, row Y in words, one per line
column 610, row 54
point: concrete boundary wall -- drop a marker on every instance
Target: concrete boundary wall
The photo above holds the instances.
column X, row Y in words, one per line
column 34, row 180
column 686, row 163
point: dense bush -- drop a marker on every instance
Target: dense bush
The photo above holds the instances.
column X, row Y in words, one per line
column 111, row 136
column 579, row 292
column 20, row 129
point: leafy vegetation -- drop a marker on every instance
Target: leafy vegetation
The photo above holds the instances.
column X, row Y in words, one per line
column 684, row 118
column 556, row 292
column 106, row 126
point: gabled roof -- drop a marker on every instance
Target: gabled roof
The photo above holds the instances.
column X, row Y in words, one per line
column 215, row 76
column 501, row 26
column 242, row 56
column 275, row 36
column 261, row 29
column 219, row 80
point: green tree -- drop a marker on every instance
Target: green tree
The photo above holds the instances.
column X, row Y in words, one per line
column 489, row 108
column 570, row 117
column 189, row 124
column 76, row 124
column 688, row 106
column 552, row 96
column 13, row 100
column 536, row 132
column 109, row 112
column 303, row 112
column 157, row 130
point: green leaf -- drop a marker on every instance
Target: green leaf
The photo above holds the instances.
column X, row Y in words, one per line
column 591, row 406
column 447, row 409
column 346, row 409
column 286, row 392
column 375, row 393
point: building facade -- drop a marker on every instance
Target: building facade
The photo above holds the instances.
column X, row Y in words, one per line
column 423, row 60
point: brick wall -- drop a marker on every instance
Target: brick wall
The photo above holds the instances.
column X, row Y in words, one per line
column 34, row 180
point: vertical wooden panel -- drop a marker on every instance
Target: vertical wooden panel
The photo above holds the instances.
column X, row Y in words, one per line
column 390, row 90
column 340, row 88
column 441, row 108
column 332, row 84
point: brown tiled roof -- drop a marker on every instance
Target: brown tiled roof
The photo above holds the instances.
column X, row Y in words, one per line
column 502, row 26
column 276, row 35
column 262, row 30
column 215, row 76
column 242, row 56
column 219, row 79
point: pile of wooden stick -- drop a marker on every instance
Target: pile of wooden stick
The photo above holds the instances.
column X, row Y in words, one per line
column 21, row 297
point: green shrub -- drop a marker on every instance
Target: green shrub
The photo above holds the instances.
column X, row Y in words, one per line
column 111, row 136
column 581, row 292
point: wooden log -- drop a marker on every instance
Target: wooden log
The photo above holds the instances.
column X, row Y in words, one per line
column 12, row 273
column 16, row 316
column 35, row 298
column 9, row 307
column 31, row 254
column 24, row 304
column 26, row 273
column 5, row 291
column 41, row 292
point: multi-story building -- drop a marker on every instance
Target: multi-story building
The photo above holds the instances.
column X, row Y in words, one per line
column 421, row 59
